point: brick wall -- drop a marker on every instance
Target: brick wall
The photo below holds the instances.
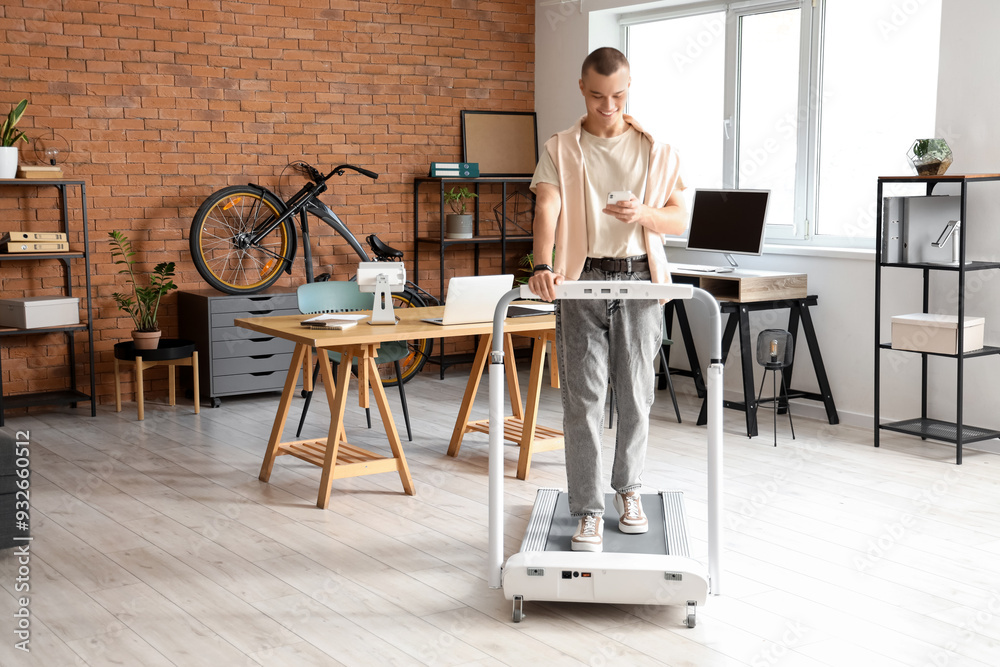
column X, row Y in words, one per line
column 163, row 103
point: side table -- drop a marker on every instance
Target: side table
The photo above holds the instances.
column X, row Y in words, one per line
column 171, row 352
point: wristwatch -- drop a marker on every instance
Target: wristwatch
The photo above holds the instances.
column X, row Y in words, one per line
column 541, row 267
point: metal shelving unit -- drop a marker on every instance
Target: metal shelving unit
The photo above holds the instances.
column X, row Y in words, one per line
column 477, row 240
column 958, row 432
column 71, row 395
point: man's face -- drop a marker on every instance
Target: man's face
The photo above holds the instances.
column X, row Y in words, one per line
column 605, row 96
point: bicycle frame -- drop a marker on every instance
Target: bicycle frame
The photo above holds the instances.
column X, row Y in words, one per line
column 304, row 202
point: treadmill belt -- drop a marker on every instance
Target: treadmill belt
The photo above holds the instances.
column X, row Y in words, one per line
column 652, row 542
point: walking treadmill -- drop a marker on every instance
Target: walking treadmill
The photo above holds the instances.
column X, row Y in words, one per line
column 650, row 568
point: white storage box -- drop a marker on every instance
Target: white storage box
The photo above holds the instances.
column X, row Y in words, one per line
column 35, row 312
column 932, row 332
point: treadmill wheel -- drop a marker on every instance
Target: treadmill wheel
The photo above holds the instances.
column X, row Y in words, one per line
column 517, row 613
column 692, row 608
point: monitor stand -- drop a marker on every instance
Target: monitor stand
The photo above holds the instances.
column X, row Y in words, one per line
column 731, row 260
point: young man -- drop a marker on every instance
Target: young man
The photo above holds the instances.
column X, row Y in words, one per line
column 605, row 151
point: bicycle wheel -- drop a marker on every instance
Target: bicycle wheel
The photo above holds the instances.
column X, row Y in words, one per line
column 220, row 240
column 419, row 350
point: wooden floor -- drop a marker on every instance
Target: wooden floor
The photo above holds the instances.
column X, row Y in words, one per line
column 155, row 544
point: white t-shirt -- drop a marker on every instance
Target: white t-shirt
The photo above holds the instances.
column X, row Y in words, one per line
column 610, row 165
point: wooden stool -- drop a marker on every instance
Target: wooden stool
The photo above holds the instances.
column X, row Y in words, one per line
column 171, row 352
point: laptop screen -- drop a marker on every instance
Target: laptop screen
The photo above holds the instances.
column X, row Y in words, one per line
column 474, row 298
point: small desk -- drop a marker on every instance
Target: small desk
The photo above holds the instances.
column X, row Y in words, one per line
column 345, row 460
column 739, row 293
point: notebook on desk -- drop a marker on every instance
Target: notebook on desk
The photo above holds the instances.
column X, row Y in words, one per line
column 472, row 299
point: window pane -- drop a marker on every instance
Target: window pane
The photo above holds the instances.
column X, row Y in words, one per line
column 768, row 101
column 678, row 75
column 880, row 72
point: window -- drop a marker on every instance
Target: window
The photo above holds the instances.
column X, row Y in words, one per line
column 811, row 103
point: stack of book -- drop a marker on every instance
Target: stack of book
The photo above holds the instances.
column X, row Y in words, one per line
column 28, row 242
column 39, row 171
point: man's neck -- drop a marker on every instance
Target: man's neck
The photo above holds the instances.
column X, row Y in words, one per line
column 598, row 129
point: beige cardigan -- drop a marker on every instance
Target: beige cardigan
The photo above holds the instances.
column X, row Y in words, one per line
column 662, row 178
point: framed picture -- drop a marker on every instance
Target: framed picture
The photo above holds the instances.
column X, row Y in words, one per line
column 504, row 143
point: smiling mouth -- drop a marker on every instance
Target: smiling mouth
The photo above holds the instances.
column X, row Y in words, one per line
column 608, row 114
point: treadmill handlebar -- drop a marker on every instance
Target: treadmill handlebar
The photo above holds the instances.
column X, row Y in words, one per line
column 616, row 289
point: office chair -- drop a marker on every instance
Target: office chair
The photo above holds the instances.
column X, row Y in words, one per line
column 337, row 296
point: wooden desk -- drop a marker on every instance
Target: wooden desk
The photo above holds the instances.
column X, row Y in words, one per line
column 345, row 460
column 745, row 285
column 739, row 293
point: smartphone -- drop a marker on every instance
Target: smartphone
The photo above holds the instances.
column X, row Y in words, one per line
column 618, row 196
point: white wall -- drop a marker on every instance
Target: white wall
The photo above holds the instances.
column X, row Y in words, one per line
column 967, row 96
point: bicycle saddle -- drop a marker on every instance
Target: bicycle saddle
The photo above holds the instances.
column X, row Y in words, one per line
column 382, row 250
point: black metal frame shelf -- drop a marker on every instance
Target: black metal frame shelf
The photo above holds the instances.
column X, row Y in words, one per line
column 72, row 395
column 10, row 331
column 503, row 238
column 41, row 255
column 985, row 351
column 936, row 429
column 969, row 266
column 956, row 432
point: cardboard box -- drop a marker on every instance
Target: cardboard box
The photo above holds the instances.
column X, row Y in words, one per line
column 34, row 312
column 932, row 332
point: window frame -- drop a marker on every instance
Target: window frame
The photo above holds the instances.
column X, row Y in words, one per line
column 802, row 231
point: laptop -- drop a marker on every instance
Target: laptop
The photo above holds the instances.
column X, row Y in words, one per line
column 472, row 299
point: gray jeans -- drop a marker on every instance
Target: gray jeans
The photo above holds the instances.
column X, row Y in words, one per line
column 599, row 340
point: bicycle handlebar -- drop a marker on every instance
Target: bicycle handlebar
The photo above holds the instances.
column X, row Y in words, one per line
column 339, row 171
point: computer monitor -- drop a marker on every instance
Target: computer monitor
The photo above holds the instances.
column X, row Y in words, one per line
column 729, row 222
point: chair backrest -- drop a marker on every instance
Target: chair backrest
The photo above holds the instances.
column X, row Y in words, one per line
column 339, row 296
column 332, row 296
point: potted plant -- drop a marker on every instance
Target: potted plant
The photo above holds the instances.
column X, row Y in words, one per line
column 930, row 157
column 143, row 303
column 8, row 140
column 458, row 225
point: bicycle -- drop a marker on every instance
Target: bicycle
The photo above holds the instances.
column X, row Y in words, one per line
column 243, row 237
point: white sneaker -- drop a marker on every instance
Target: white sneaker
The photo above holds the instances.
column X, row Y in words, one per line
column 631, row 518
column 589, row 534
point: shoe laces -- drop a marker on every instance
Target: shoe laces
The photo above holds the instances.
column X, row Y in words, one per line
column 631, row 505
column 589, row 525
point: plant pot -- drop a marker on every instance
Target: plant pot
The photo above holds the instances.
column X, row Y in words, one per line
column 458, row 226
column 146, row 340
column 930, row 157
column 8, row 161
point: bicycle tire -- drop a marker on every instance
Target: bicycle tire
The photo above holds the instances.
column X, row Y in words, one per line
column 420, row 350
column 218, row 240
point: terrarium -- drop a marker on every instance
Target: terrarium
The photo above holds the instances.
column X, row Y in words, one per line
column 930, row 157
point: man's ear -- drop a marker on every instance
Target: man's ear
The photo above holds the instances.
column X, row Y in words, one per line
column 582, row 91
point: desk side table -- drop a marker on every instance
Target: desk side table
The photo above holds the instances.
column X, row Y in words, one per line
column 171, row 352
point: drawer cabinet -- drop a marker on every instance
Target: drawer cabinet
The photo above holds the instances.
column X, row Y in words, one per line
column 233, row 360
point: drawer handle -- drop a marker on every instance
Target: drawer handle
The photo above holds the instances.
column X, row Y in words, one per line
column 263, row 373
column 259, row 312
column 261, row 356
column 261, row 340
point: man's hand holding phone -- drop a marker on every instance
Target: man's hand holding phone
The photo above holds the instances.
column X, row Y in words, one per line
column 623, row 206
